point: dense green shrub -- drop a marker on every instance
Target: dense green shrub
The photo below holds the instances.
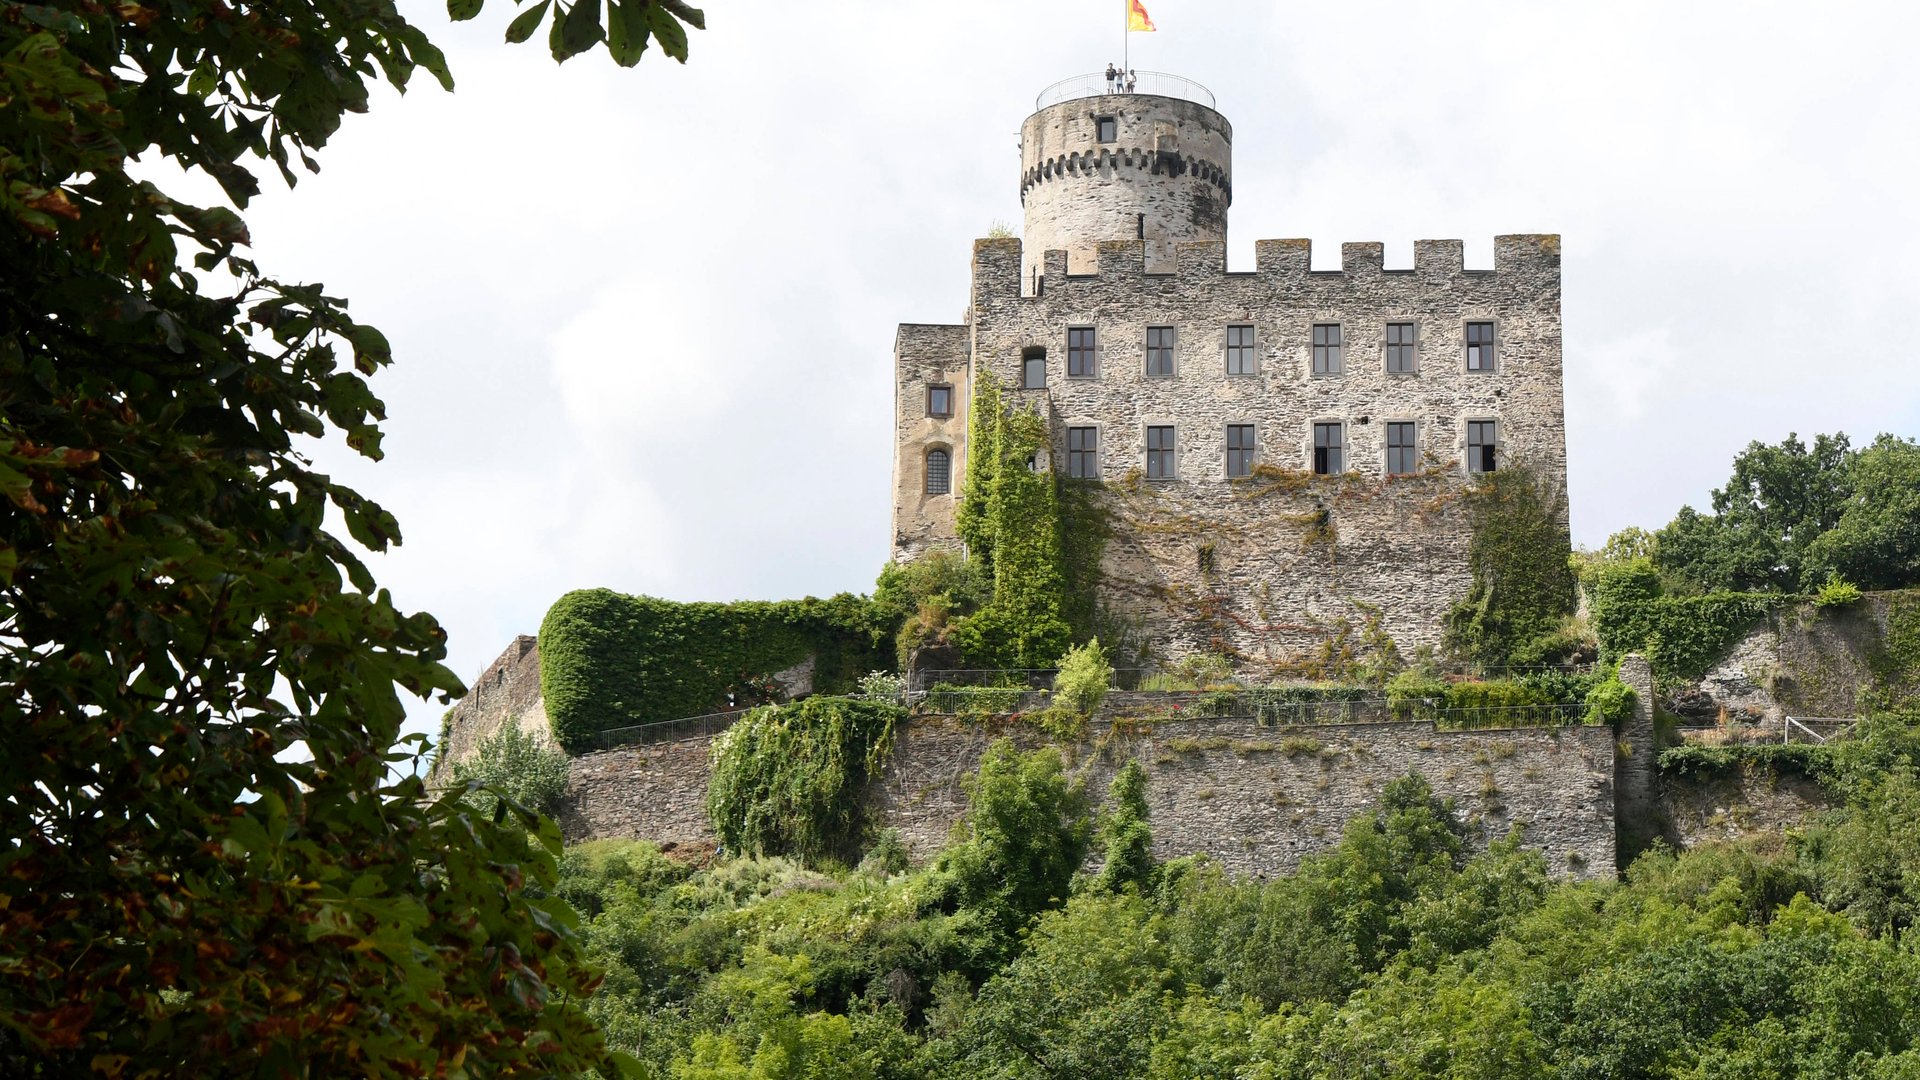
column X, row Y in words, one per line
column 1415, row 692
column 1083, row 677
column 1125, row 836
column 1837, row 592
column 516, row 764
column 1023, row 624
column 1026, row 831
column 608, row 660
column 1609, row 702
column 790, row 779
column 921, row 598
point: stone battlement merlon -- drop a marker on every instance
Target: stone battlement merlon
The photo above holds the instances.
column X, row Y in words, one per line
column 997, row 263
column 1154, row 162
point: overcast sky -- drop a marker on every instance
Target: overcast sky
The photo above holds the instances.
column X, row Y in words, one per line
column 643, row 319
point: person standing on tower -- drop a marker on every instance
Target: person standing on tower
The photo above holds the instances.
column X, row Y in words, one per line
column 1132, row 76
column 1113, row 78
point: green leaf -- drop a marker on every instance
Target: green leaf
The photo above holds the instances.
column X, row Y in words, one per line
column 525, row 23
column 577, row 31
column 462, row 10
column 668, row 31
column 692, row 16
column 627, row 31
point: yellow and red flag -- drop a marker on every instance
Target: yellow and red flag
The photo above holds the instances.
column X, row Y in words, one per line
column 1137, row 17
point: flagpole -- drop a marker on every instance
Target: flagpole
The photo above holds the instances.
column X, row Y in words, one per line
column 1126, row 37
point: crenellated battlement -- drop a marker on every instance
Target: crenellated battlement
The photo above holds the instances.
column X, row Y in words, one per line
column 997, row 263
column 1153, row 162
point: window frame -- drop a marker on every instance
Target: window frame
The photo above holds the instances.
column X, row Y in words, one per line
column 1251, row 347
column 1412, row 448
column 1091, row 350
column 1251, row 450
column 926, row 471
column 1412, row 346
column 1489, row 456
column 1028, row 356
column 1322, row 455
column 1106, row 129
column 933, row 388
column 1170, row 348
column 1091, row 454
column 1315, row 347
column 1171, row 451
column 1491, row 363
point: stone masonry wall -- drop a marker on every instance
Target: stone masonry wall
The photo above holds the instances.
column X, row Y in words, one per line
column 1264, row 566
column 507, row 692
column 927, row 356
column 1254, row 798
column 1803, row 661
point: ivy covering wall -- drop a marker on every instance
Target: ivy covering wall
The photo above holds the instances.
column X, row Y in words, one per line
column 1523, row 587
column 1681, row 636
column 609, row 660
column 1011, row 516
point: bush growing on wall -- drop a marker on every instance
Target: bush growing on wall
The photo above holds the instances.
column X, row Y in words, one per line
column 788, row 779
column 1681, row 636
column 1022, row 624
column 608, row 660
column 514, row 763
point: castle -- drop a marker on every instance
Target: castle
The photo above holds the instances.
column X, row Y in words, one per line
column 1282, row 452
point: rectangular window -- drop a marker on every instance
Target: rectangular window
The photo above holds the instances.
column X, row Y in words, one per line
column 1240, row 449
column 1479, row 346
column 1080, row 352
column 939, row 400
column 1033, row 371
column 1400, row 348
column 1401, row 455
column 1083, row 452
column 1239, row 350
column 1328, row 444
column 1482, row 442
column 1160, row 453
column 1108, row 130
column 1326, row 348
column 1159, row 350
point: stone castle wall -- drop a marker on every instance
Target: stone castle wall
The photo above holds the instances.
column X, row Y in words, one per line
column 927, row 356
column 508, row 692
column 1265, row 567
column 1165, row 178
column 1254, row 798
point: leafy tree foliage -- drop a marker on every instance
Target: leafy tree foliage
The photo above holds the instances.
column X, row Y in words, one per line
column 1026, row 831
column 1125, row 835
column 790, row 779
column 211, row 867
column 1792, row 515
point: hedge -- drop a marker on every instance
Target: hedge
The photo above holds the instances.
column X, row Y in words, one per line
column 608, row 660
column 1681, row 636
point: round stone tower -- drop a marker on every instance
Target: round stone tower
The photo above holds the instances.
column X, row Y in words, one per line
column 1153, row 164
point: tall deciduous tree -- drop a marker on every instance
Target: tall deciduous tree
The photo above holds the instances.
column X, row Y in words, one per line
column 207, row 866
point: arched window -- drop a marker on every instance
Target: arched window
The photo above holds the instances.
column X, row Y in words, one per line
column 939, row 472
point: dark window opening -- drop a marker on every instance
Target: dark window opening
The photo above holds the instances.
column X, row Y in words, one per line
column 1328, row 445
column 939, row 472
column 1401, row 456
column 1400, row 348
column 1326, row 348
column 1107, row 129
column 1482, row 444
column 1159, row 350
column 1160, row 453
column 1240, row 449
column 1033, row 368
column 1083, row 453
column 1239, row 350
column 939, row 400
column 1080, row 352
column 1479, row 346
column 1140, row 225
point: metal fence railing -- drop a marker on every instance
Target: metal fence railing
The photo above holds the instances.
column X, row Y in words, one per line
column 663, row 731
column 1816, row 729
column 1096, row 84
column 926, row 679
